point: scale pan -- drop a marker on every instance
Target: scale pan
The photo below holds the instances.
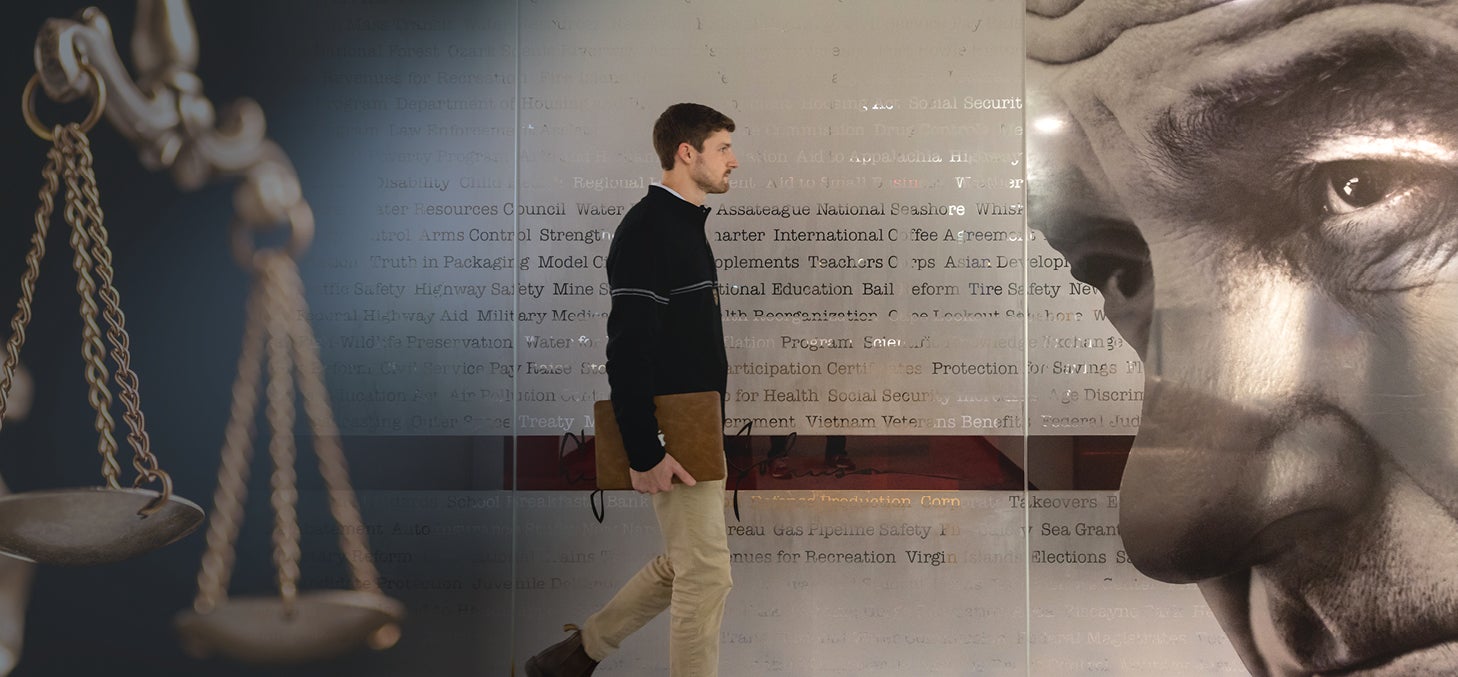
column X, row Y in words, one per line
column 84, row 526
column 326, row 623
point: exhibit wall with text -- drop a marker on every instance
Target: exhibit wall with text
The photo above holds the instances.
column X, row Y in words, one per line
column 967, row 432
column 882, row 296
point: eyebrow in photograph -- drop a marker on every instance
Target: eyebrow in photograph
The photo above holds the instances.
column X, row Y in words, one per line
column 1368, row 77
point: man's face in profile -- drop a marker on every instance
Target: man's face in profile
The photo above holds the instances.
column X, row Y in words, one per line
column 1266, row 192
column 713, row 163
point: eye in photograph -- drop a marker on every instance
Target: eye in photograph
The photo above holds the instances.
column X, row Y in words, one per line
column 1358, row 184
column 1113, row 258
column 1387, row 217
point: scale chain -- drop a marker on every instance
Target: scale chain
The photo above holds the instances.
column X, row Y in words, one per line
column 332, row 464
column 281, row 416
column 50, row 174
column 276, row 333
column 126, row 379
column 232, row 490
column 92, row 350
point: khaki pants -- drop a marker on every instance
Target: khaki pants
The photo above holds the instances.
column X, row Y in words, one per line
column 691, row 580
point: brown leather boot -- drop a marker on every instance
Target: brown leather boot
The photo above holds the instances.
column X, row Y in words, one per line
column 566, row 658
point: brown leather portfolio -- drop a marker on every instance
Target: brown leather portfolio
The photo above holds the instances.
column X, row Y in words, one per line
column 693, row 433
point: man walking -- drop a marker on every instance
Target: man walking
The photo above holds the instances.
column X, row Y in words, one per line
column 666, row 335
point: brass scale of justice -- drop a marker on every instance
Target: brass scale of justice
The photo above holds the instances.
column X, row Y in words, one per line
column 95, row 525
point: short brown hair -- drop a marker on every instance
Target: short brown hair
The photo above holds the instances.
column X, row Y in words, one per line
column 689, row 123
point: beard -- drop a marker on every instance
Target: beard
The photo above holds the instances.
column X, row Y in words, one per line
column 710, row 183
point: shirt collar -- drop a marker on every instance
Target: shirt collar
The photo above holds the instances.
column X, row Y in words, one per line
column 675, row 194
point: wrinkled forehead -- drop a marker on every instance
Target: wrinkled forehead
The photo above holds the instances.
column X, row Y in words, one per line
column 1133, row 57
column 1070, row 31
column 1145, row 90
column 1066, row 31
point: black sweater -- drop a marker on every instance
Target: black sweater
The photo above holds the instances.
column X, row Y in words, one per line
column 665, row 332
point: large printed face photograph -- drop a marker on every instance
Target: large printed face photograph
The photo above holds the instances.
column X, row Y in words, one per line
column 1266, row 193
